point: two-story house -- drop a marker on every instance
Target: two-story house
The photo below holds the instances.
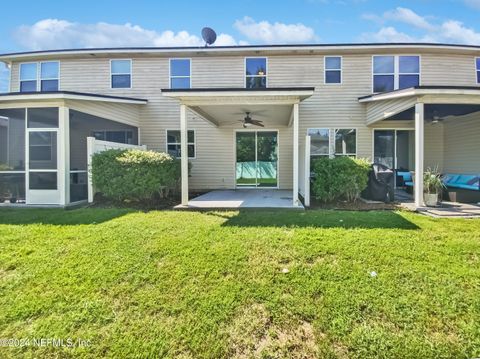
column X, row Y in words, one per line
column 244, row 116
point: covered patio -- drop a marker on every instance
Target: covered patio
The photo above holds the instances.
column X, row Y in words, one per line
column 221, row 108
column 242, row 198
column 445, row 122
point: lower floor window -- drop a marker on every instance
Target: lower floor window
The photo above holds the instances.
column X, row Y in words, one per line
column 319, row 141
column 332, row 142
column 346, row 142
column 174, row 145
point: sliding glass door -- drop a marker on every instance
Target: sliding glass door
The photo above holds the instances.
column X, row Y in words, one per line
column 256, row 159
column 394, row 149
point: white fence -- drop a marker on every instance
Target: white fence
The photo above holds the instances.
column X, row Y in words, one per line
column 304, row 172
column 96, row 146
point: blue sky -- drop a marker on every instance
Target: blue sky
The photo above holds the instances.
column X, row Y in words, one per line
column 37, row 25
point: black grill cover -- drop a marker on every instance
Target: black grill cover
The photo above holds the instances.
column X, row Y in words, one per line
column 380, row 184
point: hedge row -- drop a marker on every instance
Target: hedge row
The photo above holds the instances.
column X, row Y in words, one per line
column 134, row 174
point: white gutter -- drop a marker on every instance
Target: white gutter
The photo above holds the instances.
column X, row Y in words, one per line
column 418, row 92
column 226, row 49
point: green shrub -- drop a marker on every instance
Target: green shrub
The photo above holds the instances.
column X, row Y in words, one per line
column 134, row 174
column 339, row 178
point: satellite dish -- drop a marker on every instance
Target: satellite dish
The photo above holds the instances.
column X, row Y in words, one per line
column 209, row 36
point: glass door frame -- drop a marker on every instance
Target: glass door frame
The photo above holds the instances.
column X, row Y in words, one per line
column 255, row 130
column 41, row 196
column 395, row 157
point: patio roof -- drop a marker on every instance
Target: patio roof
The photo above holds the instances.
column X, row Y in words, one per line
column 240, row 96
column 224, row 106
column 68, row 95
column 422, row 91
column 390, row 105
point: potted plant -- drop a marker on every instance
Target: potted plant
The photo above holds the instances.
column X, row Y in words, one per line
column 432, row 187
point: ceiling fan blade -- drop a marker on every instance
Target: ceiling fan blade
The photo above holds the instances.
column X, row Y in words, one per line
column 257, row 123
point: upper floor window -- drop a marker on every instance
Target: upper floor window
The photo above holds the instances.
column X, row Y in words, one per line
column 477, row 62
column 395, row 72
column 42, row 76
column 121, row 74
column 49, row 76
column 333, row 70
column 255, row 72
column 180, row 73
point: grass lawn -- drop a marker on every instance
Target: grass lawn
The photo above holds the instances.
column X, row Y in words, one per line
column 271, row 284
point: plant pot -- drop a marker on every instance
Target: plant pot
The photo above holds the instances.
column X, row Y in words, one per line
column 430, row 199
column 13, row 200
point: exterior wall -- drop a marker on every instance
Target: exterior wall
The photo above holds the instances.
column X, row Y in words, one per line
column 461, row 145
column 331, row 106
column 433, row 146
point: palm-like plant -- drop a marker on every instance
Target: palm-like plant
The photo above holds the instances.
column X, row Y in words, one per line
column 432, row 181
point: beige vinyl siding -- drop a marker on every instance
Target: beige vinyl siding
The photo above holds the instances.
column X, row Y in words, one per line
column 331, row 106
column 433, row 146
column 450, row 70
column 123, row 113
column 15, row 77
column 221, row 72
column 381, row 110
column 462, row 139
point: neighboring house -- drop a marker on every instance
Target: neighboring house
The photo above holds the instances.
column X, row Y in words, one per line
column 408, row 106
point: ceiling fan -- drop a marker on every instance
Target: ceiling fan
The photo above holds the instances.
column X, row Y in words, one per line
column 248, row 121
column 436, row 118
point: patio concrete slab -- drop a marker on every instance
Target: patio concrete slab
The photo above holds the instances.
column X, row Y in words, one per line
column 245, row 198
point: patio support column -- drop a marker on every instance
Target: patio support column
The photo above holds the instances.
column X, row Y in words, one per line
column 64, row 154
column 419, row 154
column 295, row 153
column 184, row 153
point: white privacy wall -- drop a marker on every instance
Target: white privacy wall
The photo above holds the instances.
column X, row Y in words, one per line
column 96, row 146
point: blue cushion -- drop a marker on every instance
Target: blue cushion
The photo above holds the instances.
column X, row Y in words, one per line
column 409, row 184
column 407, row 176
column 463, row 181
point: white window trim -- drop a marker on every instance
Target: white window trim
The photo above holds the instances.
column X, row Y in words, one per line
column 245, row 70
column 170, row 77
column 39, row 78
column 194, row 143
column 477, row 70
column 329, row 154
column 325, row 70
column 396, row 70
column 334, row 139
column 121, row 73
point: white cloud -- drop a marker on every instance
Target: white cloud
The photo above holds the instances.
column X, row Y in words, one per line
column 4, row 78
column 407, row 16
column 276, row 33
column 449, row 31
column 452, row 30
column 386, row 34
column 55, row 34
